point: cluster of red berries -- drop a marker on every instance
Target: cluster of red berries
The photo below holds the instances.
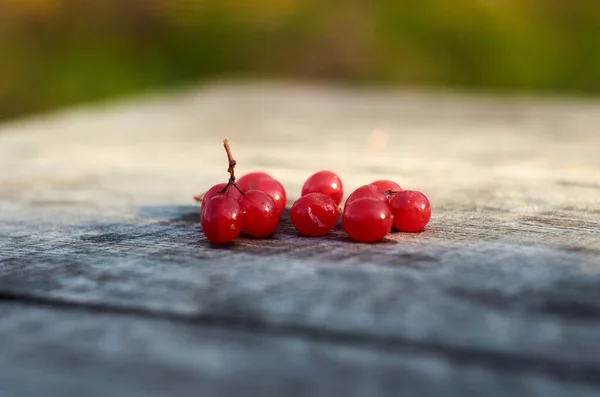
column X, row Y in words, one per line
column 369, row 213
column 254, row 203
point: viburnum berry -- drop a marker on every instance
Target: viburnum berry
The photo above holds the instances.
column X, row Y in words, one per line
column 411, row 211
column 210, row 193
column 325, row 182
column 367, row 219
column 218, row 189
column 387, row 187
column 314, row 214
column 366, row 191
column 261, row 215
column 222, row 219
column 266, row 183
column 246, row 181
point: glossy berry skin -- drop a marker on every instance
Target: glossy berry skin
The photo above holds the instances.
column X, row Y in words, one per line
column 273, row 188
column 383, row 185
column 325, row 182
column 214, row 191
column 366, row 191
column 222, row 219
column 411, row 210
column 367, row 219
column 245, row 182
column 314, row 214
column 261, row 215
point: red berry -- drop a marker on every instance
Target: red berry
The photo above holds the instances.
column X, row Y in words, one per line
column 411, row 210
column 261, row 215
column 367, row 219
column 273, row 188
column 314, row 214
column 245, row 182
column 384, row 185
column 325, row 182
column 214, row 191
column 222, row 219
column 366, row 191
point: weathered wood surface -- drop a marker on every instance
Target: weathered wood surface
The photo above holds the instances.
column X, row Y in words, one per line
column 109, row 288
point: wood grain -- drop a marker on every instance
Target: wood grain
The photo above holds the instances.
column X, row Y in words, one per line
column 95, row 353
column 499, row 295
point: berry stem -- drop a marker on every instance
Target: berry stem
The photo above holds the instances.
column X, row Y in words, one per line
column 390, row 193
column 232, row 162
column 230, row 169
column 199, row 197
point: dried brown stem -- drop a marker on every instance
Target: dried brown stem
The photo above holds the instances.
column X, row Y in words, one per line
column 199, row 197
column 232, row 162
column 230, row 169
column 390, row 193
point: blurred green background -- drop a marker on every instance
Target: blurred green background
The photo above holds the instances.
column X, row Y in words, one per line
column 60, row 52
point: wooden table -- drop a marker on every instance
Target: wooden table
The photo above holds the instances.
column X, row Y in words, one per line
column 108, row 287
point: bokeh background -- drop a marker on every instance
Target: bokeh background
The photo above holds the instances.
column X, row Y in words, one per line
column 55, row 53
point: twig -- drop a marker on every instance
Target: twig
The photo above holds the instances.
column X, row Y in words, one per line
column 230, row 169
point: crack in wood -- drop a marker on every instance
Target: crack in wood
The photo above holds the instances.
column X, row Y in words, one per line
column 462, row 355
